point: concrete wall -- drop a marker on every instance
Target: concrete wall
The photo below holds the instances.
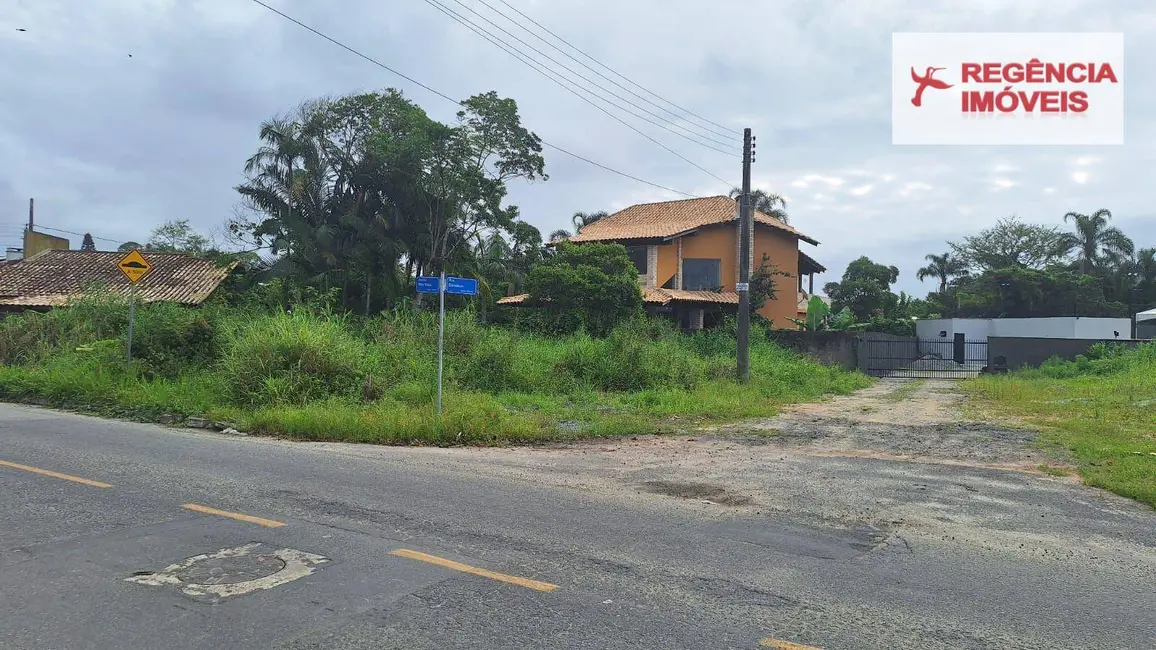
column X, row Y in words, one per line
column 38, row 242
column 979, row 329
column 1146, row 329
column 1019, row 351
column 828, row 348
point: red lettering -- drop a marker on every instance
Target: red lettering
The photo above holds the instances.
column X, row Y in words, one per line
column 1013, row 73
column 1078, row 101
column 970, row 72
column 1028, row 101
column 1105, row 72
column 1050, row 100
column 991, row 73
column 1035, row 71
column 1054, row 72
column 979, row 102
column 1073, row 77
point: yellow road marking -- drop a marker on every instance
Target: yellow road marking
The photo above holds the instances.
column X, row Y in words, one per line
column 268, row 523
column 785, row 645
column 44, row 472
column 465, row 568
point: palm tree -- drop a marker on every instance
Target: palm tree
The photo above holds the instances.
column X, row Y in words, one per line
column 769, row 203
column 559, row 235
column 581, row 219
column 1095, row 241
column 945, row 267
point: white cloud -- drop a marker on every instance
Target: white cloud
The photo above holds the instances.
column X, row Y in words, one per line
column 911, row 187
column 1002, row 183
column 887, row 178
column 813, row 179
column 1084, row 161
column 1049, row 190
column 1080, row 177
column 1003, row 168
column 862, row 190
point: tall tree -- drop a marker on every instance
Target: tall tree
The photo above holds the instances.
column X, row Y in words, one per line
column 582, row 219
column 559, row 234
column 769, row 203
column 88, row 244
column 865, row 289
column 1011, row 242
column 1094, row 241
column 177, row 236
column 945, row 267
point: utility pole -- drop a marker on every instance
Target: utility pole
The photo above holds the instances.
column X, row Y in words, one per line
column 744, row 287
column 31, row 206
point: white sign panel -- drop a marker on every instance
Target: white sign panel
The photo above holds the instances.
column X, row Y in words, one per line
column 1007, row 88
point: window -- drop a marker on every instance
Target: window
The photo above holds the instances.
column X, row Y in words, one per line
column 638, row 257
column 701, row 275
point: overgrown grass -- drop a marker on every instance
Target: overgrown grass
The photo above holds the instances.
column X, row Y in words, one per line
column 1103, row 410
column 326, row 377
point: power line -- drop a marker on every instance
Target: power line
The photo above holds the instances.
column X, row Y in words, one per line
column 451, row 99
column 603, row 65
column 453, row 15
column 708, row 136
column 707, row 125
column 79, row 234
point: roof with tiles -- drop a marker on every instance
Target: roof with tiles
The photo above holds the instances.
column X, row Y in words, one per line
column 670, row 218
column 55, row 278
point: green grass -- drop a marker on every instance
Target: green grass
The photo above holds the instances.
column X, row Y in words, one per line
column 325, row 377
column 905, row 391
column 1102, row 410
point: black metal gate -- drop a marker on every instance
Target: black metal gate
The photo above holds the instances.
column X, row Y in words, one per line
column 955, row 358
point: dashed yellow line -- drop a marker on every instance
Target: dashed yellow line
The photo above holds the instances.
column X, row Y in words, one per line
column 785, row 645
column 45, row 472
column 268, row 523
column 465, row 568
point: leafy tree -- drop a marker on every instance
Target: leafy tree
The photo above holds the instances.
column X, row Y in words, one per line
column 865, row 289
column 769, row 203
column 582, row 219
column 177, row 236
column 592, row 287
column 1095, row 242
column 762, row 283
column 944, row 267
column 128, row 246
column 1016, row 292
column 1011, row 242
column 559, row 234
column 87, row 244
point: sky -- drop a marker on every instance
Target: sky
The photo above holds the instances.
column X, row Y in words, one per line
column 120, row 115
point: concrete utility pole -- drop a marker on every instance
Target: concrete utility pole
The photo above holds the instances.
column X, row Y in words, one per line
column 744, row 287
column 31, row 206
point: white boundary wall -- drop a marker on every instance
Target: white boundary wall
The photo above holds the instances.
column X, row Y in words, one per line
column 1065, row 327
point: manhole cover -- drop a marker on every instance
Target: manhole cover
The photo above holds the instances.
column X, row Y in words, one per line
column 230, row 570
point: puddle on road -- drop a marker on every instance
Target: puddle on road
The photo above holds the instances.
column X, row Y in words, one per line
column 701, row 491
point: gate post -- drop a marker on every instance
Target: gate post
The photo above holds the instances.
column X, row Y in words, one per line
column 959, row 349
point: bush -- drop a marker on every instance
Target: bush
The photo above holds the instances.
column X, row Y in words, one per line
column 592, row 287
column 294, row 358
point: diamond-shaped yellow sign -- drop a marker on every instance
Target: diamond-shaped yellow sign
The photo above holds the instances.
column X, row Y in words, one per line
column 134, row 266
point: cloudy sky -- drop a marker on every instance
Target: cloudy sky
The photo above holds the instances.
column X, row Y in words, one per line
column 115, row 144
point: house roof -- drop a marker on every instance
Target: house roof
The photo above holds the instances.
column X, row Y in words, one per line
column 670, row 218
column 658, row 297
column 54, row 278
column 806, row 261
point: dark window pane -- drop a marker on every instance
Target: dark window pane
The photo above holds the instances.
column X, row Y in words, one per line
column 701, row 275
column 638, row 257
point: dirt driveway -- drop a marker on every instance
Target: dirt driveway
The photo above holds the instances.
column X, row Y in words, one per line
column 900, row 457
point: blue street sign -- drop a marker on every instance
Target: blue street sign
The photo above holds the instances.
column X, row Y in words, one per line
column 428, row 284
column 462, row 286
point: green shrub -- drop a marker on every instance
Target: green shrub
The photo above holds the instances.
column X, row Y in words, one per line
column 294, row 358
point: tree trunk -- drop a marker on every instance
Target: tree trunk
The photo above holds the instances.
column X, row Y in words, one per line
column 368, row 290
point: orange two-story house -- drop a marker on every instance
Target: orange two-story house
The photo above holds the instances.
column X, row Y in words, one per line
column 686, row 254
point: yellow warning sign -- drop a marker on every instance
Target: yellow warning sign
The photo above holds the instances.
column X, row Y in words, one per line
column 134, row 266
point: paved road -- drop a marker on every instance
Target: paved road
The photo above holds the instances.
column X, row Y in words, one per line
column 332, row 546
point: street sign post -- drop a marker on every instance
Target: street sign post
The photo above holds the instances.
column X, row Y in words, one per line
column 135, row 267
column 442, row 285
column 462, row 286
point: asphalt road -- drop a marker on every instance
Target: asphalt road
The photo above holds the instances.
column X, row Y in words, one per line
column 330, row 546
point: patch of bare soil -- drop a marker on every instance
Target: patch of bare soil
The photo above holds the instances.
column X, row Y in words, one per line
column 900, row 419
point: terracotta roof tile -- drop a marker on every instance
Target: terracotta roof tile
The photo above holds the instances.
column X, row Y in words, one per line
column 669, row 218
column 56, row 277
